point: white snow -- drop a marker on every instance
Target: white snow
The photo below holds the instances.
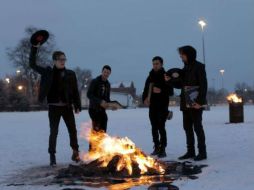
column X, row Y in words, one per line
column 24, row 141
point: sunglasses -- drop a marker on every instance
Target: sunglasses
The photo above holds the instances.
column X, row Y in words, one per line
column 62, row 59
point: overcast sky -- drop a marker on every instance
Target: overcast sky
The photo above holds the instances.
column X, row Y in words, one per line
column 126, row 34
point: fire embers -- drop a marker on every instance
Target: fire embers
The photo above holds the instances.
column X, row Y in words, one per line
column 93, row 175
column 116, row 163
column 235, row 108
column 119, row 156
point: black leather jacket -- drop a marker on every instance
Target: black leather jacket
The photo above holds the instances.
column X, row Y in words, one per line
column 71, row 92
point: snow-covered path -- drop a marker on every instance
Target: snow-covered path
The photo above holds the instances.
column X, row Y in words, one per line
column 24, row 140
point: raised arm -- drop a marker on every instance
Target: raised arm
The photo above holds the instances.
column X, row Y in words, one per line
column 33, row 63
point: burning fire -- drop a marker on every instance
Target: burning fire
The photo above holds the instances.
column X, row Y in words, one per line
column 234, row 98
column 105, row 148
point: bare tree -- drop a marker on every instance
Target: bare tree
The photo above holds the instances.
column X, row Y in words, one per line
column 241, row 87
column 3, row 96
column 19, row 57
column 84, row 77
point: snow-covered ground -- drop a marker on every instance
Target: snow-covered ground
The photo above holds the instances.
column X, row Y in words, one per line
column 24, row 141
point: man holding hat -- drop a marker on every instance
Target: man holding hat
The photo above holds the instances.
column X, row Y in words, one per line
column 59, row 86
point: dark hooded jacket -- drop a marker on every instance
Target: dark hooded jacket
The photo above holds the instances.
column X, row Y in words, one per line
column 193, row 74
column 160, row 100
column 56, row 85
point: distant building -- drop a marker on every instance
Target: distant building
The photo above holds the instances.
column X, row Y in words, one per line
column 123, row 98
column 124, row 87
column 124, row 92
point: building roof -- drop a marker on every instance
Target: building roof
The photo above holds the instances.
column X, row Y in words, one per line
column 123, row 84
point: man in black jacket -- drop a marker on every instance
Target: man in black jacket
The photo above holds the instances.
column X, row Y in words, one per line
column 99, row 96
column 156, row 95
column 59, row 86
column 193, row 74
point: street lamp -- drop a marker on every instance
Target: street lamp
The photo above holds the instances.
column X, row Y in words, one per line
column 20, row 87
column 222, row 81
column 202, row 24
column 7, row 80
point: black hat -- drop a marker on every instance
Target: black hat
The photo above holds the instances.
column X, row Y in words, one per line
column 41, row 36
column 176, row 76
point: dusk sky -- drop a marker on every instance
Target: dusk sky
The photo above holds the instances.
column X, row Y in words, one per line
column 127, row 34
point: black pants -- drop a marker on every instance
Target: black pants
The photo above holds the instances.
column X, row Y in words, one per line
column 192, row 122
column 99, row 119
column 55, row 113
column 158, row 120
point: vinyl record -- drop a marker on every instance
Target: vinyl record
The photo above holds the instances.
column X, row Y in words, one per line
column 40, row 36
column 174, row 73
column 176, row 77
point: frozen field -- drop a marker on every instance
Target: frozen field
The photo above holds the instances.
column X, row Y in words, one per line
column 24, row 141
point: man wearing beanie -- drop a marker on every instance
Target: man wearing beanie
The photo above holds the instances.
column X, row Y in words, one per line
column 59, row 86
column 156, row 95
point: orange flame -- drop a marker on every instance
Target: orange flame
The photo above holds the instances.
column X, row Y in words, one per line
column 105, row 148
column 234, row 98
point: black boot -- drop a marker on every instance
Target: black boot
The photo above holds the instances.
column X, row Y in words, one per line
column 189, row 154
column 162, row 152
column 202, row 155
column 155, row 151
column 52, row 160
column 75, row 156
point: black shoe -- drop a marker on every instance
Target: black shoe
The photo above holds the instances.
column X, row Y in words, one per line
column 52, row 160
column 155, row 151
column 200, row 157
column 75, row 156
column 162, row 153
column 188, row 155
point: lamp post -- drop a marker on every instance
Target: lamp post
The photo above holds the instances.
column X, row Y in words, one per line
column 7, row 80
column 222, row 81
column 213, row 79
column 202, row 24
column 20, row 87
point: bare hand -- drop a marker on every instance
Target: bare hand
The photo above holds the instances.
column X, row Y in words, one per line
column 196, row 106
column 37, row 46
column 156, row 90
column 147, row 102
column 104, row 104
column 166, row 78
column 114, row 108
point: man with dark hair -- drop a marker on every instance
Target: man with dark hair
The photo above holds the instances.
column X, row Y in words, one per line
column 156, row 95
column 193, row 75
column 57, row 54
column 99, row 96
column 59, row 86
